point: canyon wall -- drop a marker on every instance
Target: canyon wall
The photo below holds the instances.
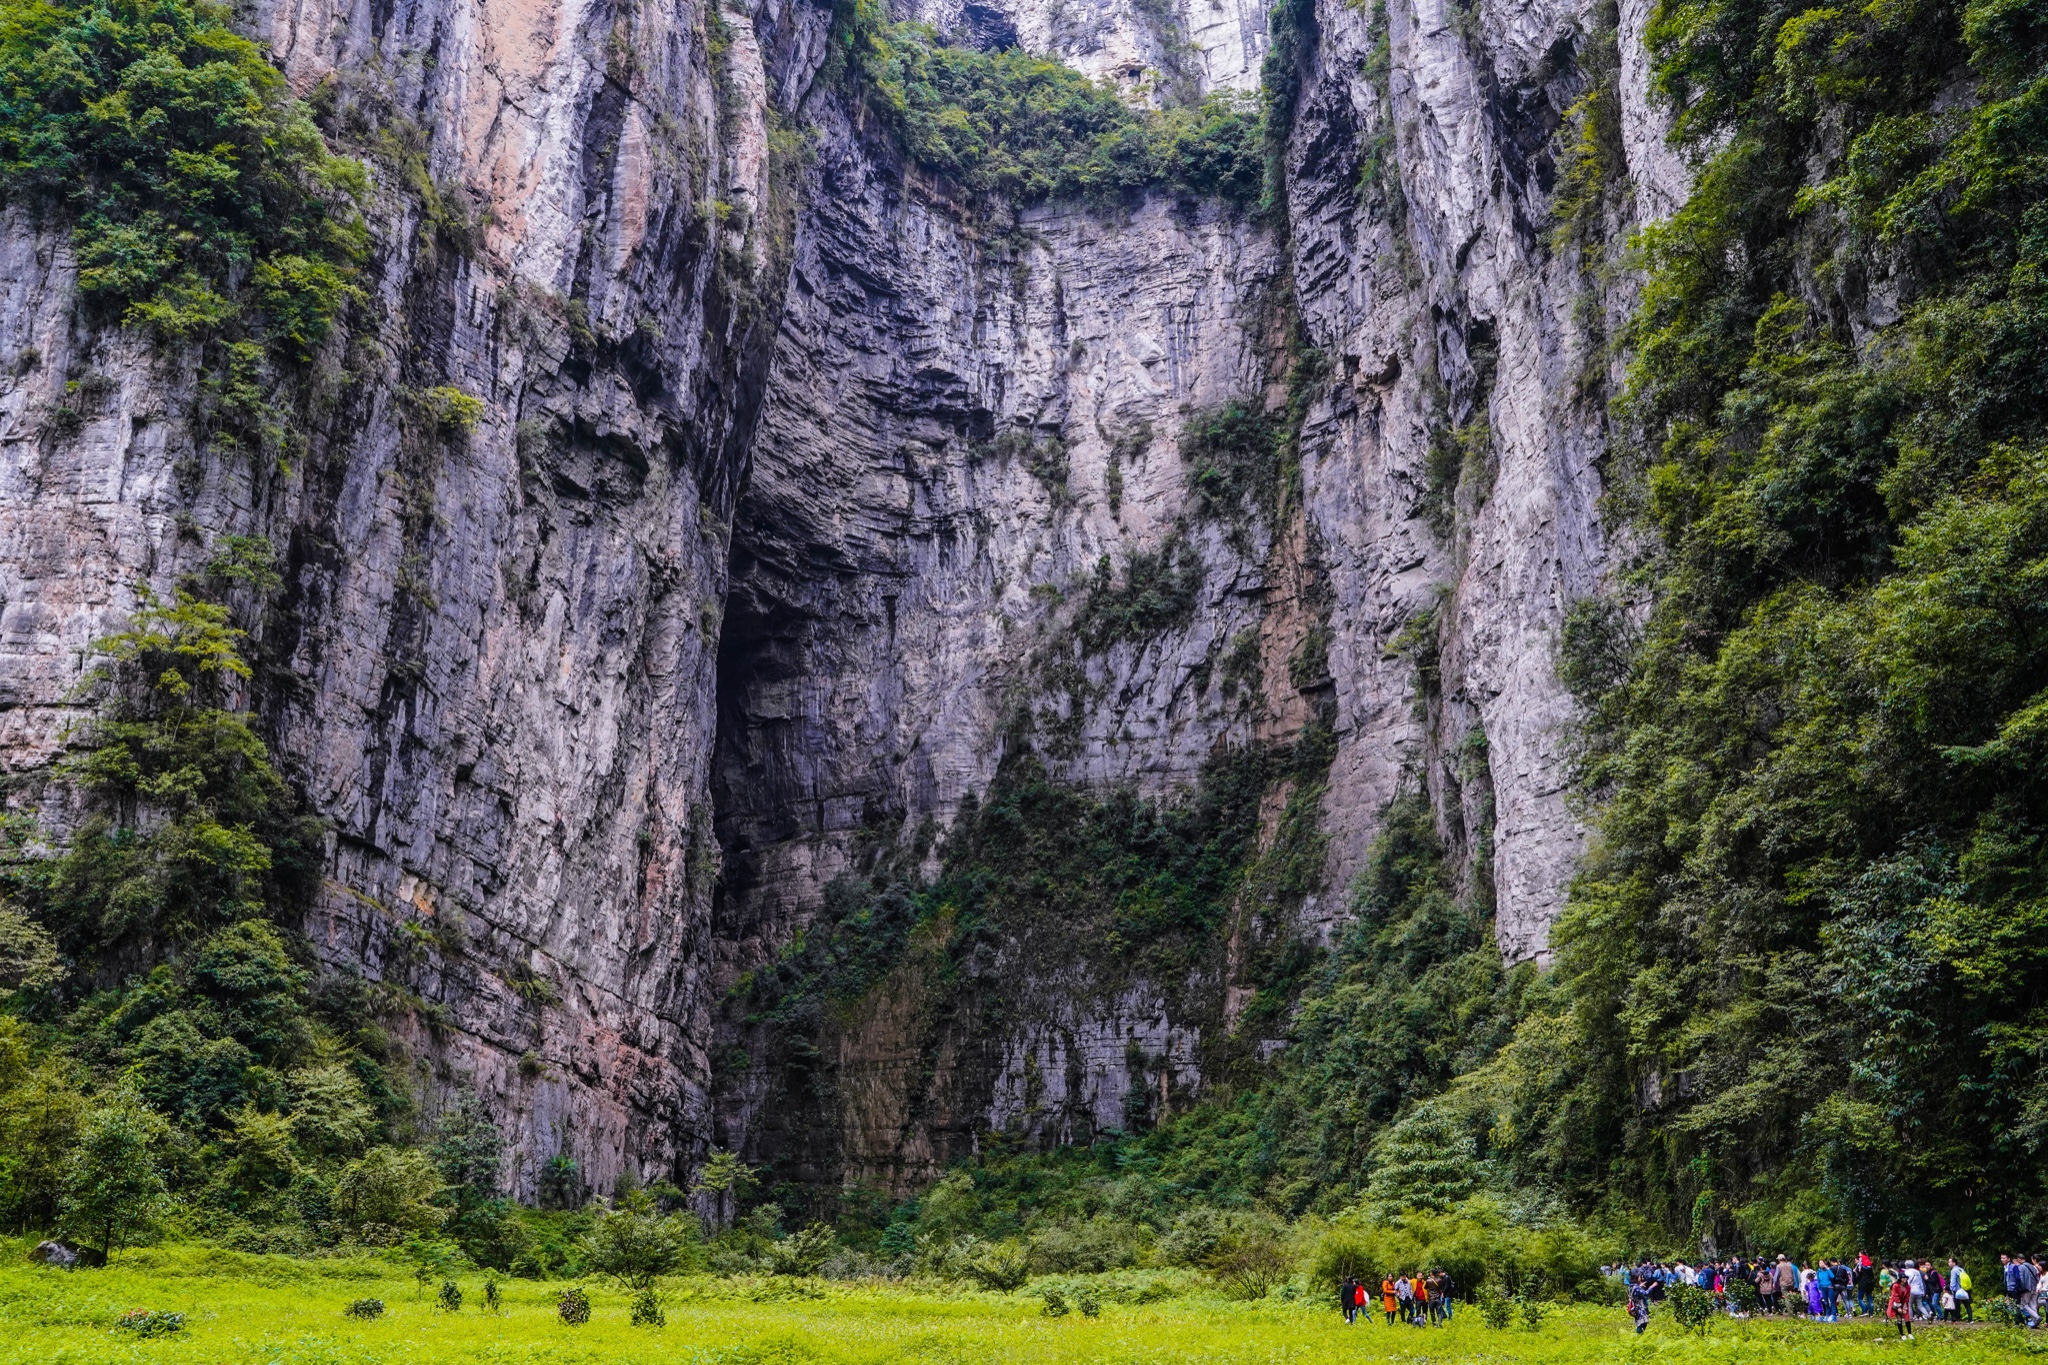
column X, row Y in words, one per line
column 794, row 471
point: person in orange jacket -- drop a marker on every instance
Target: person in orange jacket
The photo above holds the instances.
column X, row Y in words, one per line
column 1389, row 1299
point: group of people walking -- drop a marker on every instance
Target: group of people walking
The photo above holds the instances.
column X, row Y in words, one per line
column 1415, row 1297
column 1903, row 1292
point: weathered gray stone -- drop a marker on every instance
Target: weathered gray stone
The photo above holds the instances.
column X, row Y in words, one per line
column 764, row 471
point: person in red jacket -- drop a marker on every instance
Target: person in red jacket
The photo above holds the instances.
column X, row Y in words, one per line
column 1899, row 1307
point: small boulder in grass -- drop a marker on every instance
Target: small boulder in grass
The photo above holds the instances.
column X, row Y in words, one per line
column 148, row 1322
column 365, row 1310
column 66, row 1256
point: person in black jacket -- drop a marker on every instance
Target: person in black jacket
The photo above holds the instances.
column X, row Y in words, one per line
column 1347, row 1296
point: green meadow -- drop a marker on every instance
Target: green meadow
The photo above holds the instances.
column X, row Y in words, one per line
column 273, row 1310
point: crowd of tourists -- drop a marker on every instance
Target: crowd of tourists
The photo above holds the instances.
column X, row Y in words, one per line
column 1903, row 1292
column 1421, row 1299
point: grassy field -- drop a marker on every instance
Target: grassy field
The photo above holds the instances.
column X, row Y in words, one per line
column 249, row 1310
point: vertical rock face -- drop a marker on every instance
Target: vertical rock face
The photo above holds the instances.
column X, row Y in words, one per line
column 493, row 661
column 792, row 468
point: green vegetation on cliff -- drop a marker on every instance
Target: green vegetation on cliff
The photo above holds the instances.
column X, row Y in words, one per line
column 1798, row 998
column 200, row 192
column 1814, row 925
column 1013, row 126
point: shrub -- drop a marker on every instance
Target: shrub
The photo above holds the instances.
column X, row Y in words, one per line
column 1532, row 1310
column 1055, row 1303
column 573, row 1307
column 1025, row 128
column 452, row 412
column 450, row 1297
column 1000, row 1267
column 633, row 1243
column 1089, row 1304
column 1495, row 1307
column 365, row 1310
column 1250, row 1259
column 2001, row 1312
column 1691, row 1306
column 494, row 1298
column 647, row 1310
column 802, row 1253
column 146, row 1322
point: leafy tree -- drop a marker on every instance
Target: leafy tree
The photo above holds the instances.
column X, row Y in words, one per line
column 388, row 1193
column 633, row 1242
column 1424, row 1160
column 561, row 1183
column 1250, row 1258
column 189, row 810
column 114, row 1189
column 28, row 953
column 726, row 1176
column 40, row 1110
column 332, row 1114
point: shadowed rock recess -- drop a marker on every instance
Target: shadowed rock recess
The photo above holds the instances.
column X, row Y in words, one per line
column 716, row 743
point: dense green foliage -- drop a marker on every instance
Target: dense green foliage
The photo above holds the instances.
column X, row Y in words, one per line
column 199, row 188
column 1814, row 920
column 1025, row 129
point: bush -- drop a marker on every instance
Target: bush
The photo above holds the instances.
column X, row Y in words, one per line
column 647, row 1310
column 1085, row 1246
column 145, row 1322
column 1002, row 1267
column 1691, row 1306
column 802, row 1253
column 1495, row 1307
column 1532, row 1310
column 1089, row 1304
column 573, row 1307
column 633, row 1243
column 387, row 1193
column 365, row 1310
column 1477, row 1243
column 450, row 1297
column 1027, row 129
column 1250, row 1259
column 1055, row 1303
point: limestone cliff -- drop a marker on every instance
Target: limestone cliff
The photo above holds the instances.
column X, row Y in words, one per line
column 794, row 470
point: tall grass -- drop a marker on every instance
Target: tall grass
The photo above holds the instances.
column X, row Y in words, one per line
column 275, row 1310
